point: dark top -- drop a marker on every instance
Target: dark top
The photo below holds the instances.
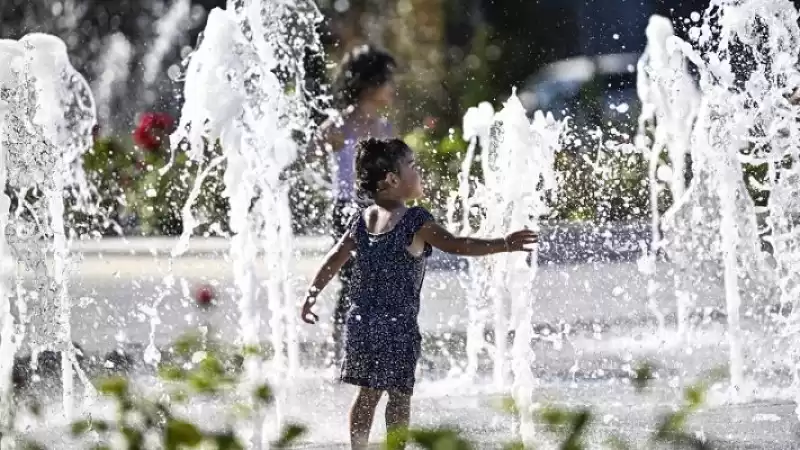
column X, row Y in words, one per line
column 383, row 342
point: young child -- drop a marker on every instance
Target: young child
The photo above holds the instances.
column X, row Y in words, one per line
column 363, row 91
column 388, row 243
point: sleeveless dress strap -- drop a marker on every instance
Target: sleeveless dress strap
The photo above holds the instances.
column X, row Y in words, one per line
column 355, row 220
column 416, row 218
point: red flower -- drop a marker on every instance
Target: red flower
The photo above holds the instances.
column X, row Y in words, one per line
column 430, row 122
column 152, row 129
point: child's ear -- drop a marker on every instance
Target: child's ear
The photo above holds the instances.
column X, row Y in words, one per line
column 386, row 182
column 392, row 179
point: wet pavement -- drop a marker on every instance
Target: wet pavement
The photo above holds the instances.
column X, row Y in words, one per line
column 594, row 322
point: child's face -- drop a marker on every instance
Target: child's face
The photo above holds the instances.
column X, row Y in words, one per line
column 383, row 95
column 410, row 181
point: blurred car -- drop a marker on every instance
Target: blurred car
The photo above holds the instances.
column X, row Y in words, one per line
column 594, row 91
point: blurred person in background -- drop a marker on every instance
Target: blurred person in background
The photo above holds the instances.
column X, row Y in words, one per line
column 363, row 92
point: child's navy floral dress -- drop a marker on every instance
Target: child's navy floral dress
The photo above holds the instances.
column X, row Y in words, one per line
column 383, row 343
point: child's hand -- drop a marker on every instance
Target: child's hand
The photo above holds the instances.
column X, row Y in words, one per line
column 518, row 241
column 306, row 314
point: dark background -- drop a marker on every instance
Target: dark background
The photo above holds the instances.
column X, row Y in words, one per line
column 521, row 36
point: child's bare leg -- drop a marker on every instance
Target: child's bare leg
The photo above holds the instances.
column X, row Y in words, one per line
column 398, row 411
column 361, row 414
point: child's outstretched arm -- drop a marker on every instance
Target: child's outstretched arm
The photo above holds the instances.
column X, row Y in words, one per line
column 439, row 237
column 334, row 260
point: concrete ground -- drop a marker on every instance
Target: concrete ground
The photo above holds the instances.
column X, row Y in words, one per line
column 116, row 285
column 594, row 318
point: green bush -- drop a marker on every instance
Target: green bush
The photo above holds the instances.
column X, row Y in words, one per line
column 133, row 185
column 140, row 188
column 596, row 185
column 601, row 185
column 439, row 158
column 159, row 196
column 606, row 185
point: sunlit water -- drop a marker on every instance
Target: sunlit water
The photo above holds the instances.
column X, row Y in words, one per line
column 518, row 166
column 233, row 97
column 48, row 114
column 741, row 116
column 578, row 321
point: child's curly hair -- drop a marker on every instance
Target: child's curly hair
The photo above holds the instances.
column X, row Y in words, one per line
column 362, row 68
column 375, row 159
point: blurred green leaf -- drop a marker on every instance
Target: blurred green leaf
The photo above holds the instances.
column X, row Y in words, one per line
column 671, row 423
column 252, row 350
column 187, row 344
column 396, row 439
column 203, row 384
column 438, row 439
column 134, row 437
column 179, row 433
column 115, row 387
column 35, row 408
column 264, row 394
column 227, row 441
column 172, row 373
column 617, row 443
column 80, row 427
column 695, row 396
column 453, row 145
column 211, row 366
column 417, row 140
column 290, row 433
column 554, row 417
column 579, row 422
column 125, row 403
column 572, row 424
column 178, row 396
column 31, row 445
column 642, row 376
column 508, row 405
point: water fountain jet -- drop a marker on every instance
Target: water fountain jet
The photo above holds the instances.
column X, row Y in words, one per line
column 715, row 221
column 519, row 179
column 669, row 108
column 47, row 126
column 234, row 97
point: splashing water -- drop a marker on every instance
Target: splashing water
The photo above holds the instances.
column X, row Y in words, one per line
column 742, row 118
column 10, row 102
column 669, row 101
column 733, row 118
column 533, row 150
column 113, row 72
column 518, row 164
column 240, row 110
column 168, row 27
column 47, row 117
column 234, row 98
column 477, row 122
